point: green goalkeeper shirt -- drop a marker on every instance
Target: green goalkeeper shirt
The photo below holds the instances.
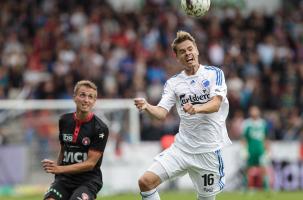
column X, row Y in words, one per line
column 255, row 132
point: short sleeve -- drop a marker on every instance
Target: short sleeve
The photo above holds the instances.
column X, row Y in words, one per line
column 245, row 129
column 266, row 127
column 60, row 130
column 218, row 85
column 100, row 137
column 168, row 98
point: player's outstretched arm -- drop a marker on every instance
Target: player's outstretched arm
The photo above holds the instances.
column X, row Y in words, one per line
column 155, row 111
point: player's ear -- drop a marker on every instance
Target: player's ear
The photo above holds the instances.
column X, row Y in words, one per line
column 96, row 96
column 175, row 54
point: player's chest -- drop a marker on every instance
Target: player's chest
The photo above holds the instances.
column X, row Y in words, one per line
column 193, row 90
column 257, row 133
column 77, row 134
column 193, row 85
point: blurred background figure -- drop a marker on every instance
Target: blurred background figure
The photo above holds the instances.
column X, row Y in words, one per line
column 255, row 140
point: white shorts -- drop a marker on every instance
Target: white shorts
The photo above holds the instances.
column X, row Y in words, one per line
column 206, row 170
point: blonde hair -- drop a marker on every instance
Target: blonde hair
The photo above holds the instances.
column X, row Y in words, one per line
column 85, row 83
column 181, row 37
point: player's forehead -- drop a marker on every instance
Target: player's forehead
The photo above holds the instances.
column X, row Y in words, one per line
column 83, row 89
column 254, row 109
column 185, row 44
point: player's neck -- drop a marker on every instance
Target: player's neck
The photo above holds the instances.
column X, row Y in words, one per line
column 82, row 116
column 192, row 71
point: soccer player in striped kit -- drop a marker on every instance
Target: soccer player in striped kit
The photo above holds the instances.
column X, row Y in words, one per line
column 199, row 93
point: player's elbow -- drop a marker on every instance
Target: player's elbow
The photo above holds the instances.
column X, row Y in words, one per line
column 160, row 117
column 216, row 108
column 90, row 166
column 161, row 114
column 212, row 109
column 216, row 104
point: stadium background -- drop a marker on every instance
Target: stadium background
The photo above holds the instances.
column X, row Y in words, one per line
column 124, row 46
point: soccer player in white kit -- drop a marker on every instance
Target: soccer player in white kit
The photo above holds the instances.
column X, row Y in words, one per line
column 199, row 93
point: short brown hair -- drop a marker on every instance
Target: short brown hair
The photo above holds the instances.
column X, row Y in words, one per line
column 181, row 37
column 85, row 83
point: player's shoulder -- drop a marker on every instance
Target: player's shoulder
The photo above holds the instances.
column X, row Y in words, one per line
column 173, row 81
column 263, row 120
column 210, row 69
column 215, row 73
column 248, row 122
column 99, row 124
column 175, row 78
column 66, row 116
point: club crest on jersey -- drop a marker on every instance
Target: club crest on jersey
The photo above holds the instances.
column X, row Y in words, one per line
column 205, row 83
column 85, row 141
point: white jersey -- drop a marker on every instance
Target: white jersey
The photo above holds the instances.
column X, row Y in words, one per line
column 198, row 133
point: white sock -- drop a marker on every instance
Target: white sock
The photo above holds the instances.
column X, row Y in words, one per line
column 150, row 195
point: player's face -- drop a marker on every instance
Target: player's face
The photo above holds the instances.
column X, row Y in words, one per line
column 85, row 99
column 254, row 112
column 187, row 55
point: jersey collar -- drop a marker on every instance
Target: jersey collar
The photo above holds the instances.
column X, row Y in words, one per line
column 196, row 74
column 88, row 118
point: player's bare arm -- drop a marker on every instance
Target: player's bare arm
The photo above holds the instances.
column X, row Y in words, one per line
column 155, row 111
column 93, row 156
column 61, row 155
column 210, row 107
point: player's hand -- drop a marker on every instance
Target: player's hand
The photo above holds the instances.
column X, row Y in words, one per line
column 189, row 108
column 50, row 166
column 140, row 103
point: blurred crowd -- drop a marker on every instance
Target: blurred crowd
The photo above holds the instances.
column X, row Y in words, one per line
column 48, row 45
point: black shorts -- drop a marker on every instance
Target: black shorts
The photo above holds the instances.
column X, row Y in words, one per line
column 60, row 190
